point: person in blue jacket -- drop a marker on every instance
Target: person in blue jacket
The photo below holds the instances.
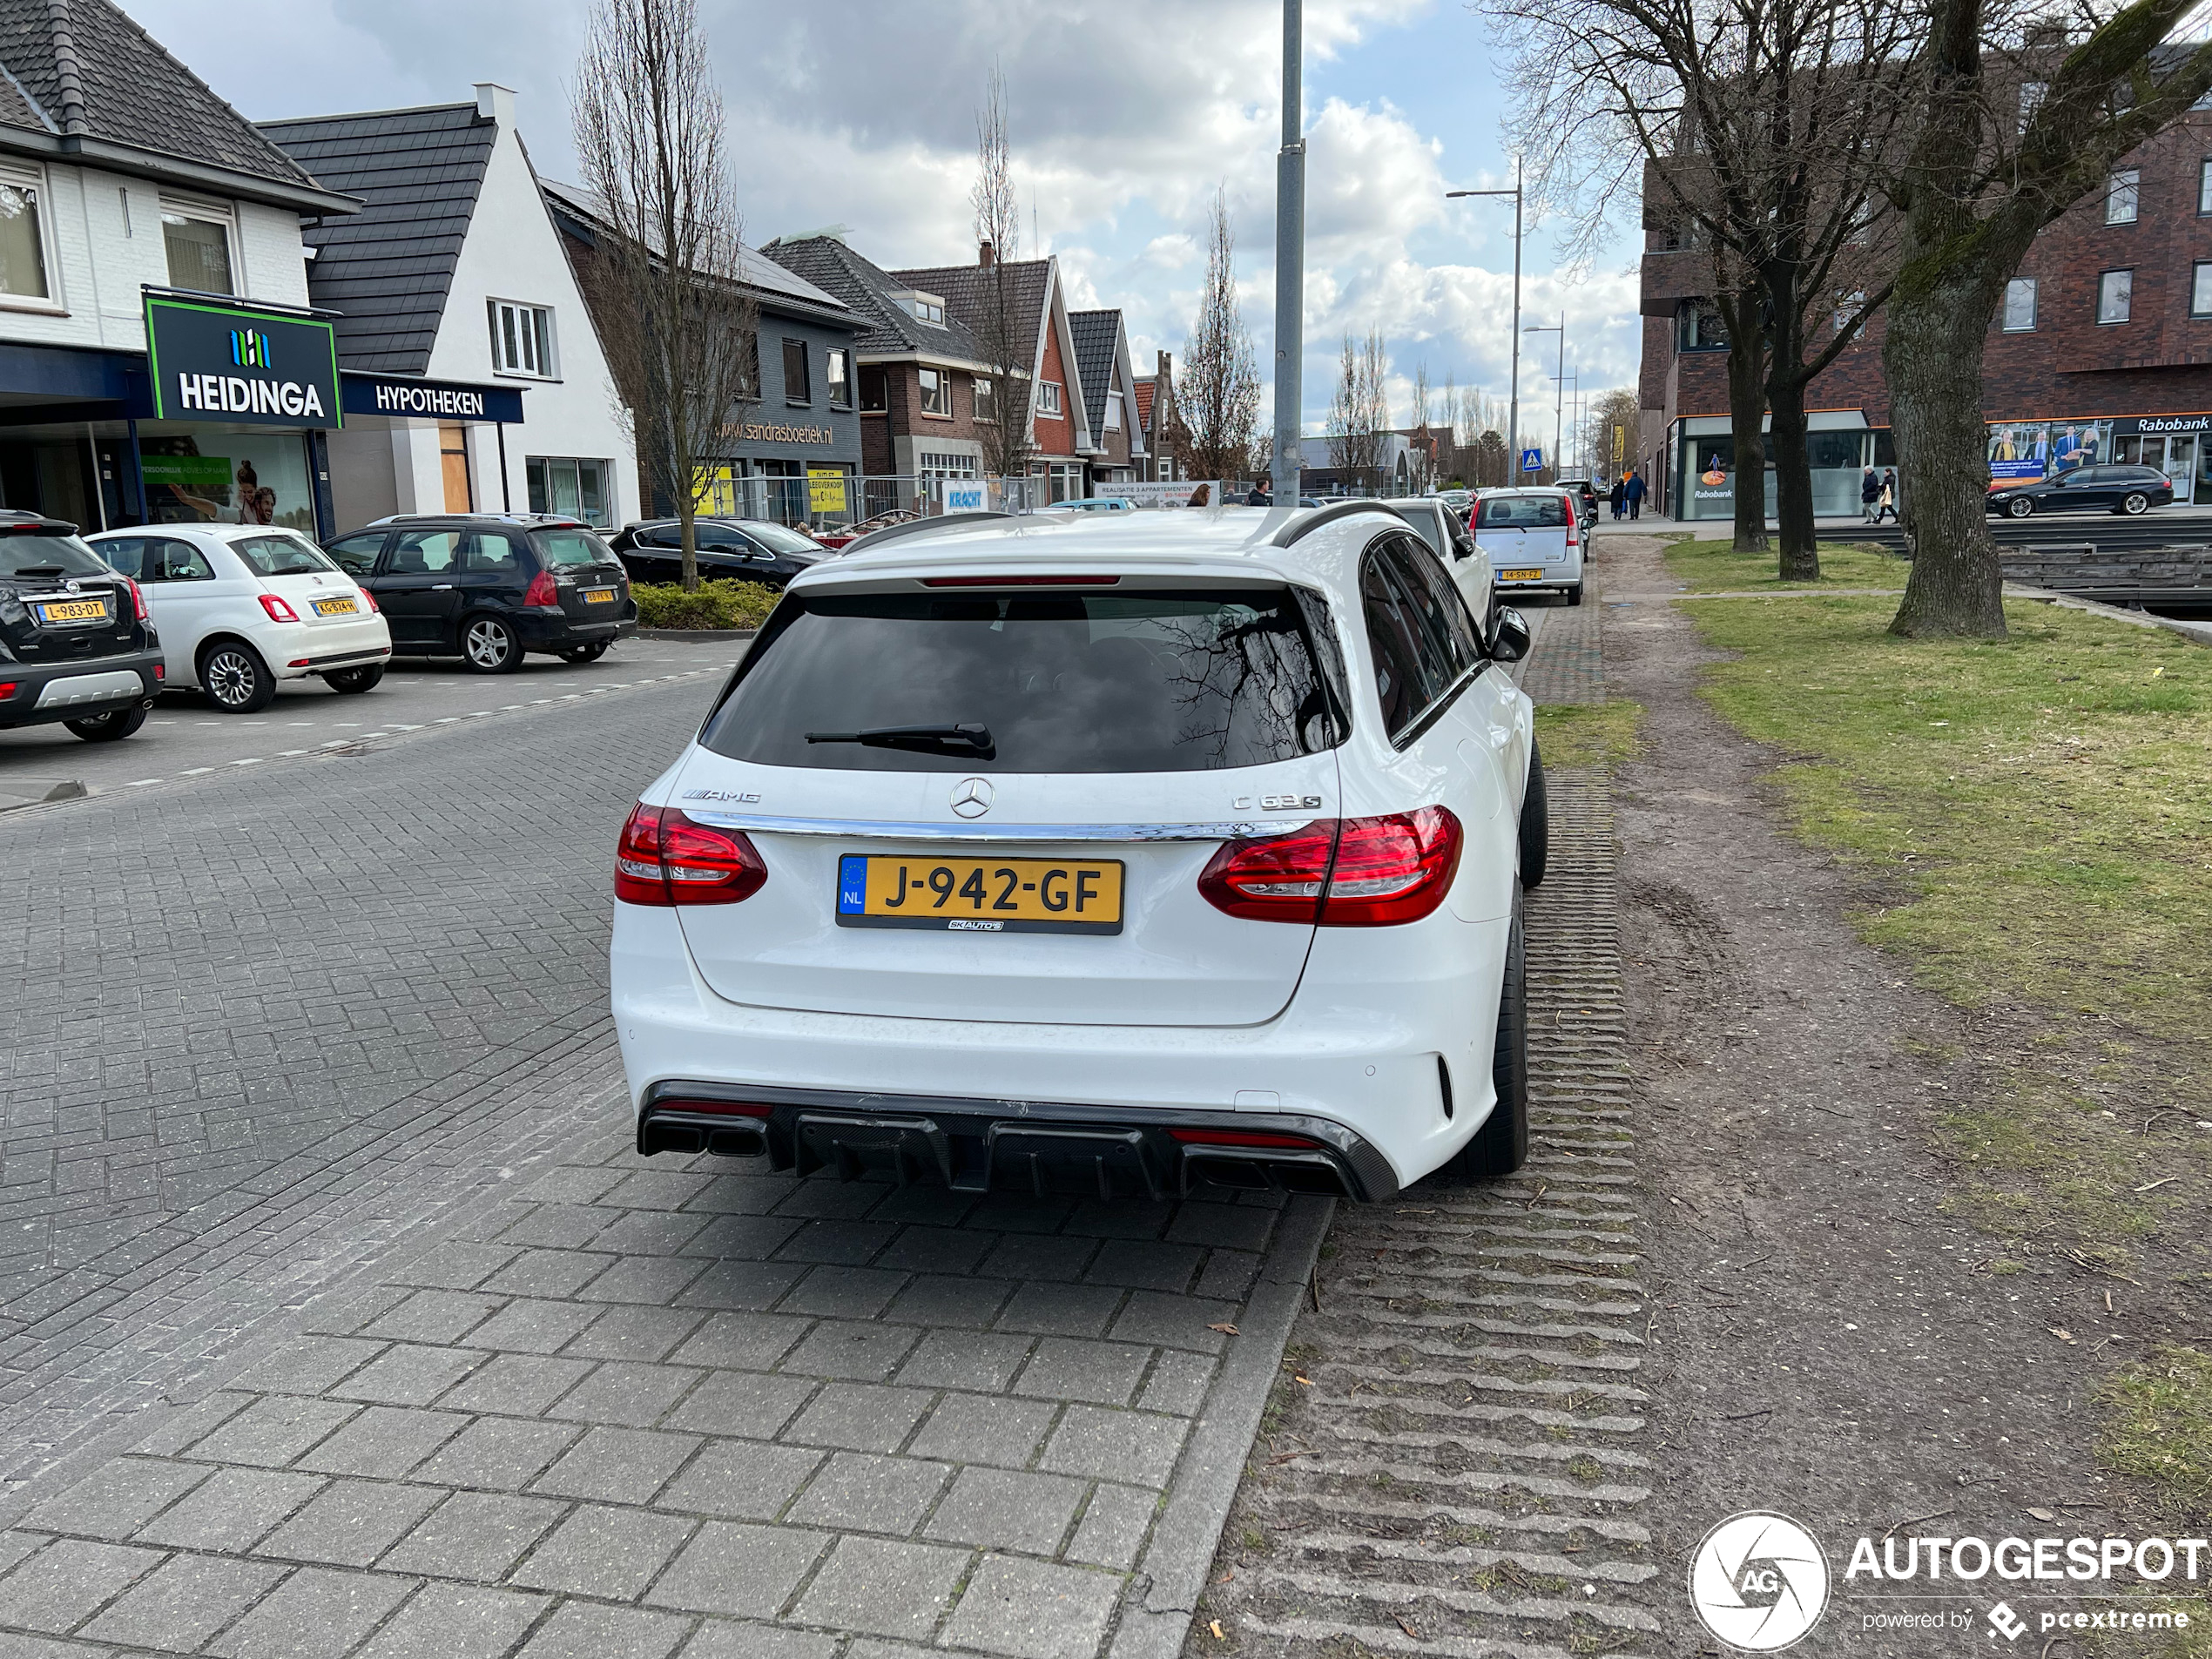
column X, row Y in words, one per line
column 1635, row 493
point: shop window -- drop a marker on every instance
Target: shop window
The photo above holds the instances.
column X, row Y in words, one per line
column 2019, row 305
column 2116, row 292
column 838, row 376
column 522, row 338
column 2201, row 291
column 936, row 392
column 579, row 488
column 799, row 385
column 22, row 236
column 2122, row 193
column 198, row 241
column 986, row 400
column 1048, row 400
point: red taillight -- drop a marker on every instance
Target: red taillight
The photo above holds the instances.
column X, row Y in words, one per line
column 665, row 858
column 368, row 599
column 159, row 671
column 279, row 611
column 7, row 689
column 1340, row 873
column 138, row 598
column 541, row 591
column 1237, row 1137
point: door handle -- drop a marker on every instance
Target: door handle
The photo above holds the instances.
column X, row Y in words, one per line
column 442, row 587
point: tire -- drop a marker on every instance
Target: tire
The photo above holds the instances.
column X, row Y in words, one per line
column 1500, row 1146
column 110, row 727
column 1575, row 594
column 489, row 646
column 235, row 679
column 582, row 654
column 350, row 680
column 1535, row 824
column 2134, row 503
column 2020, row 506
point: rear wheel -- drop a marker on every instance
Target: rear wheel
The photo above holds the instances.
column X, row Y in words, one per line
column 363, row 678
column 2135, row 501
column 1500, row 1146
column 235, row 678
column 489, row 646
column 108, row 728
column 1535, row 822
column 1575, row 594
column 590, row 653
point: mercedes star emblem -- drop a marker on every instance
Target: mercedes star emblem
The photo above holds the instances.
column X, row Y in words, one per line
column 972, row 797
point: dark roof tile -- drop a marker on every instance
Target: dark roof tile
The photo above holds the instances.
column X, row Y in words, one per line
column 1096, row 334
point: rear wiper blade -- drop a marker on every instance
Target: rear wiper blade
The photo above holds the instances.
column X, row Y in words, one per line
column 973, row 738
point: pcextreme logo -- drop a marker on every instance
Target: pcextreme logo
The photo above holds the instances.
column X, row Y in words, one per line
column 1758, row 1582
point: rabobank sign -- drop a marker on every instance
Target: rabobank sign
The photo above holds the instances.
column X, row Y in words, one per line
column 240, row 363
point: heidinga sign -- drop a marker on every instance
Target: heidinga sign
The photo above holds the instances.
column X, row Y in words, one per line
column 210, row 361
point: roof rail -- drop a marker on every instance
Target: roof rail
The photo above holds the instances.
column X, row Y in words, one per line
column 917, row 526
column 1298, row 528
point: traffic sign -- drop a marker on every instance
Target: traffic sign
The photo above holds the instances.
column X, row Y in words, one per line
column 1532, row 460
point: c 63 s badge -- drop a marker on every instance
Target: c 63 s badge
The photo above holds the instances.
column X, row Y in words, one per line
column 1279, row 803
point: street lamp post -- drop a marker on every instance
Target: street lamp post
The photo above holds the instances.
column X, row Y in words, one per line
column 1559, row 402
column 1512, row 406
column 1290, row 270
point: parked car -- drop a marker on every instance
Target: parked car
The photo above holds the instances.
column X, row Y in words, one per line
column 1198, row 838
column 1095, row 504
column 76, row 646
column 749, row 550
column 837, row 539
column 242, row 607
column 1534, row 537
column 2114, row 488
column 489, row 587
column 1453, row 542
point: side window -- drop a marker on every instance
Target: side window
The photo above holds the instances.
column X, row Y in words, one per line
column 126, row 554
column 494, row 556
column 1440, row 608
column 356, row 555
column 170, row 560
column 1401, row 677
column 426, row 553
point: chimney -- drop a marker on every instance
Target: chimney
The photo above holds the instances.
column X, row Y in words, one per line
column 984, row 254
column 496, row 103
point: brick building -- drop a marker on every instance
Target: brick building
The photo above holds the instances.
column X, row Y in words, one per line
column 1109, row 379
column 2101, row 350
column 1159, row 424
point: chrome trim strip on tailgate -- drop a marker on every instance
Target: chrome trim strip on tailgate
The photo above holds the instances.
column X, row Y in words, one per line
column 878, row 830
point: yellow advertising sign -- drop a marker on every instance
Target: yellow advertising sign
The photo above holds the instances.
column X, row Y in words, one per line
column 1619, row 441
column 717, row 495
column 825, row 490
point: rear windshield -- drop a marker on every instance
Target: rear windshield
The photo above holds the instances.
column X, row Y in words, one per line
column 566, row 547
column 38, row 556
column 1183, row 680
column 1520, row 512
column 280, row 556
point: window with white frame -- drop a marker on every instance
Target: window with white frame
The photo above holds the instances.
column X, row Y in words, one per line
column 522, row 338
column 197, row 237
column 986, row 400
column 1048, row 403
column 22, row 235
column 2122, row 194
column 2020, row 306
column 2201, row 291
column 838, row 376
column 2204, row 188
column 1113, row 411
column 923, row 307
column 578, row 488
column 940, row 463
column 936, row 391
column 2116, row 292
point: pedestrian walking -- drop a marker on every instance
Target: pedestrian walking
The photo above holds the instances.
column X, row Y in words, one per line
column 1634, row 491
column 1869, row 494
column 1619, row 497
column 1887, row 504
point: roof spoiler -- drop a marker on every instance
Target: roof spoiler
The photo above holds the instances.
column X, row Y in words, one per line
column 1298, row 528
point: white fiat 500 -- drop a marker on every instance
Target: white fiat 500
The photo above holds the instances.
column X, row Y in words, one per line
column 1105, row 853
column 242, row 606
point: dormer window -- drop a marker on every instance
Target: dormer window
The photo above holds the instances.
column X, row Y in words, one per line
column 923, row 307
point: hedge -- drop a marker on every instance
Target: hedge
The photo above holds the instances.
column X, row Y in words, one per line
column 712, row 604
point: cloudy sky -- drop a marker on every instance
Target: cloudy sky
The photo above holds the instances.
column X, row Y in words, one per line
column 1125, row 115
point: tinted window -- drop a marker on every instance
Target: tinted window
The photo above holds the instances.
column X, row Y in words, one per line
column 126, row 554
column 426, row 553
column 1170, row 681
column 1406, row 676
column 1446, row 626
column 280, row 555
column 573, row 547
column 356, row 555
column 778, row 539
column 1424, row 520
column 494, row 556
column 36, row 555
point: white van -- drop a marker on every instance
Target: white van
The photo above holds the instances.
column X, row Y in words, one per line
column 1533, row 538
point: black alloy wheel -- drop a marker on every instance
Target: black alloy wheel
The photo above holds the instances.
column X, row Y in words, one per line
column 489, row 646
column 350, row 680
column 110, row 727
column 235, row 678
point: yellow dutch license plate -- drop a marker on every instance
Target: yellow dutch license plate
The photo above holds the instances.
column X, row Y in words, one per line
column 336, row 607
column 72, row 610
column 598, row 595
column 979, row 895
column 1520, row 575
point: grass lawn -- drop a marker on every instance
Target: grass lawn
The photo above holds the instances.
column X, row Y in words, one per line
column 1715, row 567
column 1601, row 735
column 2034, row 820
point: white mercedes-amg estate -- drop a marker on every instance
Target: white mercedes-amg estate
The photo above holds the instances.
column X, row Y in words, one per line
column 1103, row 853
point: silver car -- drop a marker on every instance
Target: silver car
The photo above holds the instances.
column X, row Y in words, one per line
column 1533, row 538
column 1446, row 532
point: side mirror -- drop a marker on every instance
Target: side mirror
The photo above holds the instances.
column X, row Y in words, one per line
column 1463, row 546
column 1508, row 641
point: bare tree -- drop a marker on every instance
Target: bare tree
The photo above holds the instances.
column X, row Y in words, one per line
column 1359, row 411
column 1009, row 345
column 666, row 282
column 1217, row 392
column 1989, row 166
column 1609, row 431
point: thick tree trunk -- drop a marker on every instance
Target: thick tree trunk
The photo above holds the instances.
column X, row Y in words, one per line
column 1933, row 357
column 1747, row 419
column 1792, row 480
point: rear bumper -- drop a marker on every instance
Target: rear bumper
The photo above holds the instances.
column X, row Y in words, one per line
column 1036, row 1147
column 550, row 630
column 47, row 693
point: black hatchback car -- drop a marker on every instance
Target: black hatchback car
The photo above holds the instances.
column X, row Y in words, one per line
column 75, row 643
column 489, row 587
column 2112, row 490
column 747, row 549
